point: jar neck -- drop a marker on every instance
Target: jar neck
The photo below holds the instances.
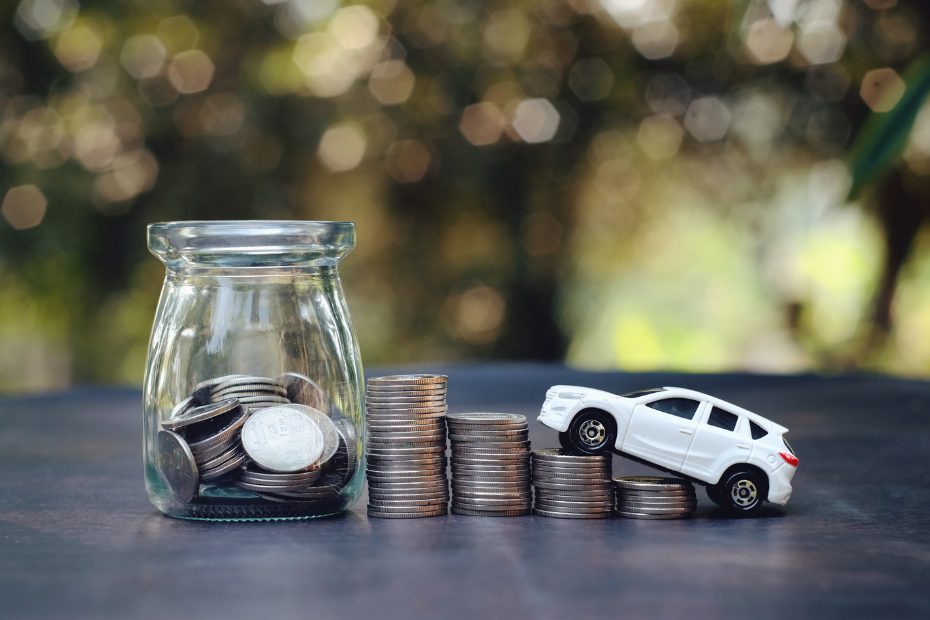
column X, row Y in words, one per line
column 186, row 272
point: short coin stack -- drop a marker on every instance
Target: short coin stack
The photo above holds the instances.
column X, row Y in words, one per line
column 406, row 446
column 490, row 464
column 571, row 486
column 652, row 497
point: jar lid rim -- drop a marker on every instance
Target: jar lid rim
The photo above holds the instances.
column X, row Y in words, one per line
column 208, row 239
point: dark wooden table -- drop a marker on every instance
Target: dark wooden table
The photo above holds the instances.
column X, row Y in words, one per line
column 78, row 538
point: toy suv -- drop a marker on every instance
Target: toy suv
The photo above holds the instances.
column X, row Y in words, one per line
column 741, row 457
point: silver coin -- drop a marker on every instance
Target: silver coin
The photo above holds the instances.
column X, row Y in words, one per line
column 303, row 390
column 553, row 454
column 255, row 389
column 224, row 468
column 406, row 409
column 439, row 433
column 401, row 429
column 252, row 471
column 209, row 384
column 406, row 461
column 380, row 514
column 629, row 514
column 211, row 453
column 218, row 430
column 602, row 466
column 205, row 464
column 488, row 418
column 375, row 478
column 565, row 487
column 282, row 439
column 237, row 380
column 568, row 515
column 567, row 479
column 401, row 467
column 479, row 495
column 182, row 407
column 409, row 401
column 492, row 506
column 456, row 437
column 397, row 472
column 263, row 399
column 494, row 461
column 588, row 497
column 422, row 450
column 651, row 483
column 429, row 486
column 655, row 495
column 200, row 414
column 568, row 506
column 635, row 499
column 326, row 426
column 176, row 466
column 404, row 394
column 416, row 379
column 436, row 388
column 652, row 508
column 489, row 513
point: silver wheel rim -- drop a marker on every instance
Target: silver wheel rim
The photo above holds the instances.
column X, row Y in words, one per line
column 744, row 493
column 592, row 433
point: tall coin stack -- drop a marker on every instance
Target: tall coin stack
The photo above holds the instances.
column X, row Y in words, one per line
column 406, row 446
column 653, row 497
column 490, row 464
column 571, row 486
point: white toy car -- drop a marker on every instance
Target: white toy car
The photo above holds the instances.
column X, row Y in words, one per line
column 740, row 456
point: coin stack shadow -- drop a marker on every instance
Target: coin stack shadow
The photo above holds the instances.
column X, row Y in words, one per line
column 406, row 446
column 572, row 486
column 490, row 464
column 653, row 497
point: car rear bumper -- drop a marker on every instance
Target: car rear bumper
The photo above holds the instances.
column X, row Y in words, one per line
column 780, row 485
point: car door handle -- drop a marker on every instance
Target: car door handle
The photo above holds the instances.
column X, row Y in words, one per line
column 742, row 446
column 685, row 431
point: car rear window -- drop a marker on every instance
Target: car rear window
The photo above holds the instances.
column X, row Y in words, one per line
column 722, row 419
column 757, row 431
column 681, row 407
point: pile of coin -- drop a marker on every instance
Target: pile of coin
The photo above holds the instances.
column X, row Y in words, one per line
column 490, row 464
column 572, row 486
column 406, row 446
column 258, row 434
column 652, row 497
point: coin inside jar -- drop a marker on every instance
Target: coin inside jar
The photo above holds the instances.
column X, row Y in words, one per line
column 200, row 414
column 327, row 427
column 176, row 466
column 282, row 439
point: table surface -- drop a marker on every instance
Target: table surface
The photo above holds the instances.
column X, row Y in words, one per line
column 79, row 539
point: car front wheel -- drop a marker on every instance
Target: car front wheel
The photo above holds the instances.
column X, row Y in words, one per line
column 741, row 491
column 591, row 432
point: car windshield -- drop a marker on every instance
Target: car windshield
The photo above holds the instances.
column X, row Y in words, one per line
column 643, row 392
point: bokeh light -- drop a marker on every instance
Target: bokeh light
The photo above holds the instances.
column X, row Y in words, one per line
column 542, row 181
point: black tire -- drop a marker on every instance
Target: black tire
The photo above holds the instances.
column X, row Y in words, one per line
column 741, row 491
column 565, row 442
column 592, row 431
column 713, row 492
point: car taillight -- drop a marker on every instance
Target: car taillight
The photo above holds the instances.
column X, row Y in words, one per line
column 789, row 458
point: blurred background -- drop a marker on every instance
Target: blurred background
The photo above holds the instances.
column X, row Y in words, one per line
column 678, row 184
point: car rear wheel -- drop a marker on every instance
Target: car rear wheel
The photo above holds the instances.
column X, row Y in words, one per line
column 741, row 491
column 591, row 432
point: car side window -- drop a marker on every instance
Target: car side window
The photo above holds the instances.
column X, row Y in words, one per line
column 722, row 419
column 681, row 407
column 757, row 431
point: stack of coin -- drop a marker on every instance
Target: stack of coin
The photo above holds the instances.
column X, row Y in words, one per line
column 208, row 436
column 652, row 497
column 572, row 486
column 490, row 464
column 406, row 446
column 259, row 434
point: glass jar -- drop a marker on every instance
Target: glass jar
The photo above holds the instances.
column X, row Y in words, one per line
column 253, row 397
